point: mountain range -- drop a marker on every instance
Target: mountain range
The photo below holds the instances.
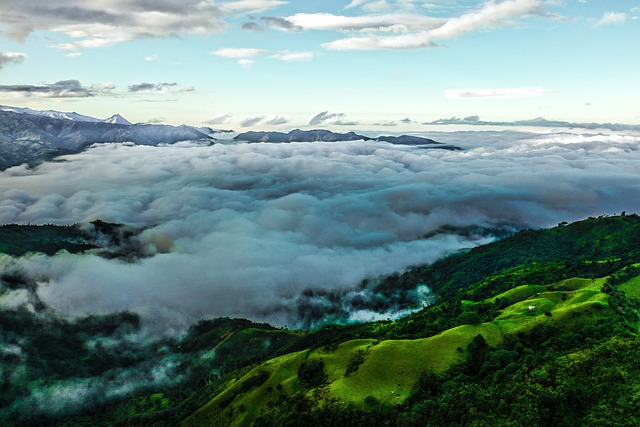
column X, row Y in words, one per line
column 29, row 136
column 298, row 135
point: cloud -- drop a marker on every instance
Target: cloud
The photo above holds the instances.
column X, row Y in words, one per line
column 536, row 122
column 61, row 89
column 151, row 58
column 246, row 63
column 277, row 120
column 251, row 26
column 508, row 93
column 250, row 6
column 151, row 87
column 355, row 3
column 326, row 117
column 490, row 15
column 237, row 53
column 610, row 18
column 11, row 58
column 387, row 22
column 280, row 24
column 251, row 233
column 104, row 23
column 219, row 120
column 380, row 5
column 287, row 56
column 251, row 121
column 246, row 56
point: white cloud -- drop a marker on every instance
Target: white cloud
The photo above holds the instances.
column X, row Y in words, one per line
column 250, row 6
column 388, row 22
column 610, row 18
column 355, row 3
column 151, row 58
column 490, row 15
column 246, row 63
column 11, row 58
column 231, row 52
column 254, row 225
column 293, row 56
column 511, row 93
column 245, row 55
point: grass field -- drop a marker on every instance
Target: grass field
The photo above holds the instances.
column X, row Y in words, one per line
column 389, row 369
column 631, row 287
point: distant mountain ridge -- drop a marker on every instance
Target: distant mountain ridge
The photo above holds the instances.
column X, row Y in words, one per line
column 298, row 135
column 55, row 114
column 28, row 136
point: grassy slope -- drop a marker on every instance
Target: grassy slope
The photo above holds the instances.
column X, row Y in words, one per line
column 392, row 367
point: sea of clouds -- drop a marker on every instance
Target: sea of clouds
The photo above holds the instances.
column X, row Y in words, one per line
column 247, row 230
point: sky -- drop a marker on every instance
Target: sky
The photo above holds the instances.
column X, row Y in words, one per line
column 361, row 64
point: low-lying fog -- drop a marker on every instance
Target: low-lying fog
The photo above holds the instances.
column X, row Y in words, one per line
column 243, row 229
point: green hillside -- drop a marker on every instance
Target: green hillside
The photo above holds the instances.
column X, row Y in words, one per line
column 540, row 328
column 502, row 307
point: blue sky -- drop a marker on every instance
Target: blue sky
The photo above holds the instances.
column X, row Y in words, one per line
column 275, row 64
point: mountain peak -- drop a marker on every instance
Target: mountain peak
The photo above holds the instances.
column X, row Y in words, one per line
column 117, row 119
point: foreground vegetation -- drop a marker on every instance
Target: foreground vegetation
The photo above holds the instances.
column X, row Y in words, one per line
column 540, row 328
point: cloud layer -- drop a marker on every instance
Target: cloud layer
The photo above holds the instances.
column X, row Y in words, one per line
column 104, row 22
column 250, row 227
column 491, row 15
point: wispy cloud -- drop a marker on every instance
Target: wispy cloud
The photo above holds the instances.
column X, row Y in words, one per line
column 381, row 5
column 277, row 120
column 293, row 56
column 508, row 93
column 388, row 123
column 326, row 117
column 381, row 23
column 610, row 18
column 251, row 121
column 151, row 58
column 490, row 15
column 60, row 89
column 250, row 6
column 237, row 53
column 219, row 120
column 537, row 122
column 8, row 58
column 246, row 56
column 151, row 87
